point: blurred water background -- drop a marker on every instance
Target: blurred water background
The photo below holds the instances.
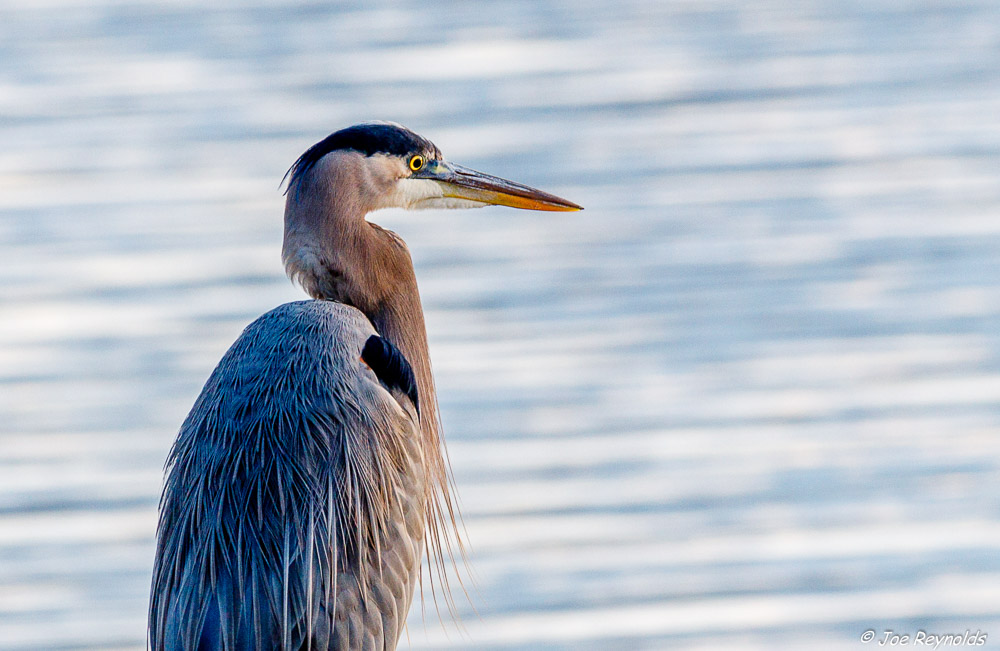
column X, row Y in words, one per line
column 747, row 400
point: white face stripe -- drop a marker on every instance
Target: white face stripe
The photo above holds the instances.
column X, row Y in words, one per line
column 411, row 193
column 389, row 179
column 422, row 194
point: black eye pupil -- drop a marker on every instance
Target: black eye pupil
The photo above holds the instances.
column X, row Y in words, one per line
column 416, row 163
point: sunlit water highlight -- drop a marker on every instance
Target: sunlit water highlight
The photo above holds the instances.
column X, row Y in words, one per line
column 747, row 399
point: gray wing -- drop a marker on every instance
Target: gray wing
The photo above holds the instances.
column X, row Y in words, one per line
column 292, row 515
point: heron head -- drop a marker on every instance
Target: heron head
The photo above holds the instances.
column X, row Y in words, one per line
column 393, row 167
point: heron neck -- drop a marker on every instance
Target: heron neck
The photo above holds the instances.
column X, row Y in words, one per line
column 392, row 302
column 388, row 296
column 399, row 318
column 335, row 254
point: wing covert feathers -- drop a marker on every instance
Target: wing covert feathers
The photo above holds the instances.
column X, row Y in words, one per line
column 293, row 457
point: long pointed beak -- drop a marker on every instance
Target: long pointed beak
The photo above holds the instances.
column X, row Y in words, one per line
column 463, row 183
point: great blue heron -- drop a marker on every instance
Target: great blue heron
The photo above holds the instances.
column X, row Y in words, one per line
column 309, row 477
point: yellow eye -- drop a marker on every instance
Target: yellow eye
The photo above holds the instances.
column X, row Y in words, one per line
column 416, row 163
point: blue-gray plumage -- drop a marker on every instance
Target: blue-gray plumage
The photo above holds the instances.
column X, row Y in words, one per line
column 309, row 477
column 290, row 430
